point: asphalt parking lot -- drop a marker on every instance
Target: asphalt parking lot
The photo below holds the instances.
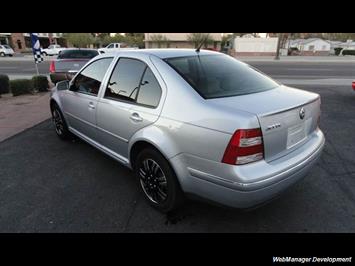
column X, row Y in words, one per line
column 49, row 185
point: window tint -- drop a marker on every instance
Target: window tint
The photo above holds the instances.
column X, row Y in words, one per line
column 69, row 54
column 124, row 81
column 214, row 76
column 149, row 91
column 89, row 80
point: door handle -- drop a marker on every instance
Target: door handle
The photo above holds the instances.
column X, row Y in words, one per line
column 91, row 105
column 136, row 118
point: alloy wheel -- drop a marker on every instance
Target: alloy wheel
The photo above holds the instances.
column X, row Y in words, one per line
column 58, row 122
column 153, row 181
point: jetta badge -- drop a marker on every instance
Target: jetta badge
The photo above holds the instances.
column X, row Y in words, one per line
column 302, row 113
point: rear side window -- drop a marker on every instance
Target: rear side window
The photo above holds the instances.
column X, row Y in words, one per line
column 89, row 80
column 149, row 91
column 72, row 54
column 133, row 81
column 125, row 80
column 215, row 76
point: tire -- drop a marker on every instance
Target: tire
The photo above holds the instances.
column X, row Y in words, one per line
column 156, row 178
column 61, row 127
column 44, row 53
column 10, row 55
column 2, row 54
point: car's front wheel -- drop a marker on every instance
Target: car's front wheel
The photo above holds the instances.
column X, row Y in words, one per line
column 60, row 125
column 2, row 54
column 158, row 181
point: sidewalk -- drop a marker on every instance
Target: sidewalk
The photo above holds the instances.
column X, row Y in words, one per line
column 22, row 112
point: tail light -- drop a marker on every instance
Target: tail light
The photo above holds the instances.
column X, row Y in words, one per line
column 52, row 67
column 245, row 146
column 353, row 85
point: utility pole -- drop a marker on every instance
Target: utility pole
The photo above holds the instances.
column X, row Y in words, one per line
column 277, row 57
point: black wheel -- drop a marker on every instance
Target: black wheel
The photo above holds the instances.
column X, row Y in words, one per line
column 10, row 55
column 158, row 181
column 2, row 54
column 60, row 125
column 44, row 53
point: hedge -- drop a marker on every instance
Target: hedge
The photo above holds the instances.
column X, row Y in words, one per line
column 40, row 83
column 348, row 52
column 4, row 84
column 21, row 86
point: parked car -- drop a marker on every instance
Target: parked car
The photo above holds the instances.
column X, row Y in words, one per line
column 115, row 47
column 68, row 62
column 192, row 123
column 6, row 50
column 353, row 84
column 53, row 49
column 293, row 51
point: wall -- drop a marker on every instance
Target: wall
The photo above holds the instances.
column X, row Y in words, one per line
column 18, row 38
column 255, row 46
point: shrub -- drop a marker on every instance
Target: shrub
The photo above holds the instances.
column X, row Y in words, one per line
column 4, row 84
column 40, row 83
column 21, row 86
column 337, row 50
column 348, row 52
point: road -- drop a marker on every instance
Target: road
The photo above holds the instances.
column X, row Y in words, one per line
column 49, row 185
column 336, row 72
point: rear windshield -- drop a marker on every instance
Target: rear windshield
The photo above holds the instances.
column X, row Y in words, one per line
column 6, row 46
column 86, row 54
column 215, row 76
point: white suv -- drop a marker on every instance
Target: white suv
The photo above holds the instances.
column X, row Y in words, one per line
column 6, row 50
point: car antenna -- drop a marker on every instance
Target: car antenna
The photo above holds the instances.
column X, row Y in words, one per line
column 204, row 40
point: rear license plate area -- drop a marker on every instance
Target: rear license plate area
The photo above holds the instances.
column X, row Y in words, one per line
column 295, row 134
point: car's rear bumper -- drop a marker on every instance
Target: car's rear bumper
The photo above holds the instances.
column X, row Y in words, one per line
column 59, row 76
column 248, row 185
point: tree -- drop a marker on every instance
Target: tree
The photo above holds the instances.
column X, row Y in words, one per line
column 135, row 39
column 79, row 40
column 159, row 39
column 200, row 38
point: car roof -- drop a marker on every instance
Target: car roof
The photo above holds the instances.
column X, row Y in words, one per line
column 166, row 53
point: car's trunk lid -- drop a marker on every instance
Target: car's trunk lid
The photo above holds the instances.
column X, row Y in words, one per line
column 65, row 65
column 284, row 126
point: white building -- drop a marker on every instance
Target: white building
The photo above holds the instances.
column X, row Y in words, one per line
column 311, row 46
column 254, row 46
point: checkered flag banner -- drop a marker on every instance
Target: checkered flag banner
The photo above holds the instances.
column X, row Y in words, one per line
column 36, row 48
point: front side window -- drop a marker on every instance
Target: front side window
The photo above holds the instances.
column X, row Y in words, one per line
column 125, row 80
column 110, row 46
column 89, row 80
column 215, row 76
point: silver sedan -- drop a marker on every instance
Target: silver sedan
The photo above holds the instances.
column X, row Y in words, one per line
column 192, row 123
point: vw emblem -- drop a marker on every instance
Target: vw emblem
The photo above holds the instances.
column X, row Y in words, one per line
column 302, row 113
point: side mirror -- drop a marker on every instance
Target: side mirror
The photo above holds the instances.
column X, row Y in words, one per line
column 63, row 85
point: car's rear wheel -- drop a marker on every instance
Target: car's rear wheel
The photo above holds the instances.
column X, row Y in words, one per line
column 44, row 53
column 158, row 181
column 60, row 125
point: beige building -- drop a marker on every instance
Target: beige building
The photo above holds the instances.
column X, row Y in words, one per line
column 178, row 40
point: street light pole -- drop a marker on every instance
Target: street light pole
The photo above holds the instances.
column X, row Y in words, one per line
column 277, row 57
